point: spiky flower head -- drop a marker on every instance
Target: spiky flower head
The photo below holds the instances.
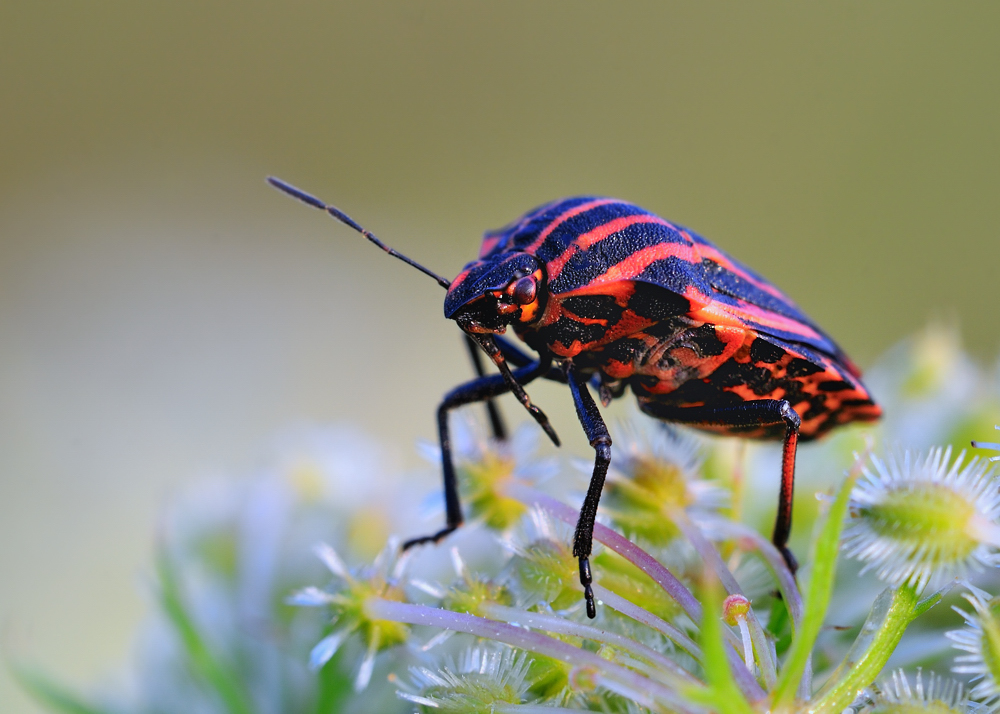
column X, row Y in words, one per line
column 980, row 638
column 917, row 518
column 487, row 467
column 936, row 695
column 483, row 680
column 471, row 592
column 656, row 471
column 543, row 569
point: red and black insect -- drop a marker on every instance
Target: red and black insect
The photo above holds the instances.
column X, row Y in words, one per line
column 612, row 296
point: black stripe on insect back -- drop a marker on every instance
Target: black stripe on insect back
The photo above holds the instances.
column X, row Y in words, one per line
column 674, row 274
column 586, row 265
column 522, row 233
column 732, row 285
column 564, row 231
column 565, row 234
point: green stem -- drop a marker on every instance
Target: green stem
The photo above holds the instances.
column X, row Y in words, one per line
column 863, row 672
column 824, row 566
column 205, row 664
column 722, row 694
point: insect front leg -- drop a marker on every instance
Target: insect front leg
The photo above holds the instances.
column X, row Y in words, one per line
column 492, row 408
column 763, row 412
column 597, row 434
column 519, row 358
column 514, row 354
column 477, row 390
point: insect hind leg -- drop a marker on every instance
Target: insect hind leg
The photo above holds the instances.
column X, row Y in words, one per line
column 762, row 412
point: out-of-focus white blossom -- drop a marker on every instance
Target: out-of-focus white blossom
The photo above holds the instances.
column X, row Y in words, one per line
column 980, row 639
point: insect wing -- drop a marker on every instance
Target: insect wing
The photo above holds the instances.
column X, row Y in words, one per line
column 589, row 244
column 755, row 302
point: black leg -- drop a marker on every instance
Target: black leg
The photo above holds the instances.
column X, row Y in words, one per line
column 764, row 412
column 492, row 408
column 597, row 434
column 477, row 390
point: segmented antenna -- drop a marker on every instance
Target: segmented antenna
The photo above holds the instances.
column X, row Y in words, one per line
column 347, row 220
column 485, row 341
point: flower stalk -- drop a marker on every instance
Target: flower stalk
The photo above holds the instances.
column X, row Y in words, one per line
column 674, row 675
column 823, row 559
column 901, row 612
column 647, row 692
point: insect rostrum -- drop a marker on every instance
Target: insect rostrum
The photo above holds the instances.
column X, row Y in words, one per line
column 612, row 296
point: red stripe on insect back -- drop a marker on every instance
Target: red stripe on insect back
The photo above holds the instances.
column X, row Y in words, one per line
column 489, row 243
column 565, row 216
column 459, row 278
column 722, row 314
column 596, row 235
column 642, row 259
column 498, row 239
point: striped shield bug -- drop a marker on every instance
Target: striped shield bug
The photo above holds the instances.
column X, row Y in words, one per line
column 610, row 296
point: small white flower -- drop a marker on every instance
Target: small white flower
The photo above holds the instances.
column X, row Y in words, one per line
column 347, row 606
column 915, row 518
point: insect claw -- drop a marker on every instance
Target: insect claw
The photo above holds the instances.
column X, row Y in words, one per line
column 491, row 349
column 537, row 414
column 586, row 578
column 543, row 421
column 436, row 537
column 789, row 558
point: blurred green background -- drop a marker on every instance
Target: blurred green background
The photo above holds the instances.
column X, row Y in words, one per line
column 163, row 312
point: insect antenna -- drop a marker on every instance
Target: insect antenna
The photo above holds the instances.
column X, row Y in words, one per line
column 347, row 220
column 484, row 340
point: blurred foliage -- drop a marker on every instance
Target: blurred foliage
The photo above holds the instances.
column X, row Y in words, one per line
column 223, row 639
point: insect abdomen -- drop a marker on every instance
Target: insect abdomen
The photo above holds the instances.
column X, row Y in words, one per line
column 823, row 392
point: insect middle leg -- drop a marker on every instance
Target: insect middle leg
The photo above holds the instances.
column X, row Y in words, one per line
column 477, row 390
column 597, row 434
column 763, row 412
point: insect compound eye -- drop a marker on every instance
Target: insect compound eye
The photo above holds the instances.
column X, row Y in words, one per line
column 525, row 290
